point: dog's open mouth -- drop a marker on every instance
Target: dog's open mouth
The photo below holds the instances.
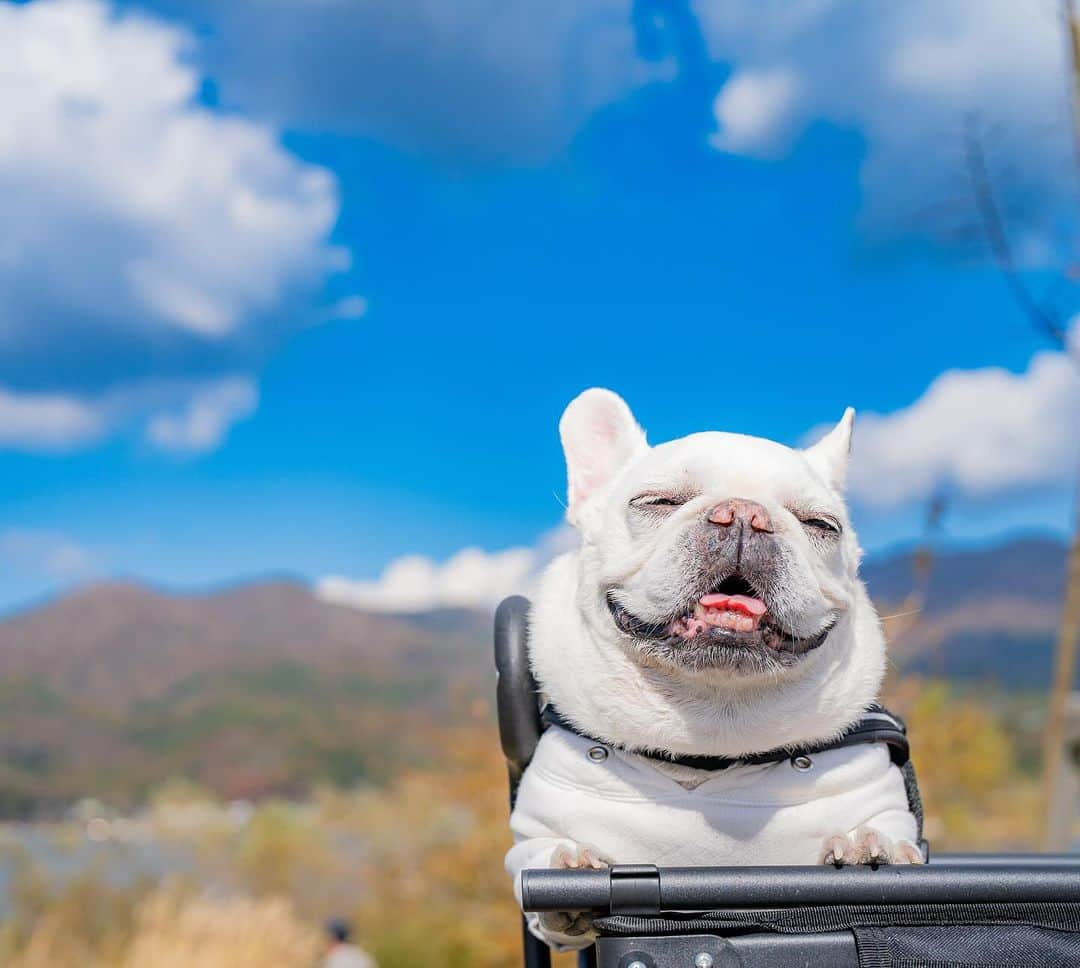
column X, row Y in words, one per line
column 732, row 614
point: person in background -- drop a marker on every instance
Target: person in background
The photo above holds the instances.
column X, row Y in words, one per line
column 342, row 953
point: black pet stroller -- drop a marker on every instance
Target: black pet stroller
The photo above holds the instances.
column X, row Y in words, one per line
column 971, row 911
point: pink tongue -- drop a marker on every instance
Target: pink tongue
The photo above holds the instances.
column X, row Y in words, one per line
column 754, row 607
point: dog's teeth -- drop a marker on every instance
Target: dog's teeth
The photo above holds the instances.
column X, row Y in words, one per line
column 704, row 617
column 733, row 620
column 688, row 626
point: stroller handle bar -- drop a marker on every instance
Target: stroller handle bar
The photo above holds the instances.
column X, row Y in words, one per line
column 645, row 890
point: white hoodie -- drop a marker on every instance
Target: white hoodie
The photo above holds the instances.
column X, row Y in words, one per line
column 578, row 791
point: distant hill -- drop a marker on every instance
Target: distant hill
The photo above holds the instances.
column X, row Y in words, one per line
column 990, row 614
column 257, row 689
column 1029, row 569
column 265, row 689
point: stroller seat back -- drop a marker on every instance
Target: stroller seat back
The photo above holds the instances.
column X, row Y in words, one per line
column 517, row 695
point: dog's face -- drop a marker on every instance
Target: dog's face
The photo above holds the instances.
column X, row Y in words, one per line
column 713, row 555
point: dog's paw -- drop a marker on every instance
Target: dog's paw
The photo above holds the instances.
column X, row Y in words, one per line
column 574, row 856
column 905, row 852
column 572, row 924
column 569, row 924
column 867, row 846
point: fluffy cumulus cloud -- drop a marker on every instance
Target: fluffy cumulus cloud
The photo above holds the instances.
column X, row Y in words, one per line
column 474, row 82
column 515, row 82
column 143, row 232
column 904, row 76
column 47, row 421
column 753, row 110
column 203, row 419
column 469, row 80
column 977, row 433
column 178, row 416
column 472, row 578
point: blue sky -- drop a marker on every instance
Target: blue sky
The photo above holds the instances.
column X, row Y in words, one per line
column 304, row 292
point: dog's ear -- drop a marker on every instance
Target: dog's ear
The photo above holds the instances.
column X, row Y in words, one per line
column 829, row 456
column 599, row 437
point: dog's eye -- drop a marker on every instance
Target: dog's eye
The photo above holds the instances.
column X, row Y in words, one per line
column 656, row 501
column 824, row 525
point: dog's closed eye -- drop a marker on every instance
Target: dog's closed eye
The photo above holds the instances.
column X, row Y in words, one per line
column 823, row 525
column 659, row 502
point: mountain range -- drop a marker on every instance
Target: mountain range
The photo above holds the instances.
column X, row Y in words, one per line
column 265, row 689
column 988, row 615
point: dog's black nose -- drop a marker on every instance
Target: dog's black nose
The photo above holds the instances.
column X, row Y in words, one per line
column 750, row 513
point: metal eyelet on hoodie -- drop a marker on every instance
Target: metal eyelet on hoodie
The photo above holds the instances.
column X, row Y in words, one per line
column 597, row 754
column 802, row 763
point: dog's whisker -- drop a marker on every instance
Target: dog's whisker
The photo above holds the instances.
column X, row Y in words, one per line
column 913, row 611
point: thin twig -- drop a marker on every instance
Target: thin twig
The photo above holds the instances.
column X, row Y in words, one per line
column 996, row 236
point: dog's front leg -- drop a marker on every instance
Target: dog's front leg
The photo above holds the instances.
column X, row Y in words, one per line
column 571, row 926
column 868, row 846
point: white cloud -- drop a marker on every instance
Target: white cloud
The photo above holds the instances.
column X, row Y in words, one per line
column 199, row 219
column 468, row 79
column 350, row 307
column 178, row 417
column 753, row 109
column 516, row 82
column 46, row 553
column 155, row 233
column 980, row 433
column 205, row 418
column 904, row 76
column 472, row 578
column 47, row 421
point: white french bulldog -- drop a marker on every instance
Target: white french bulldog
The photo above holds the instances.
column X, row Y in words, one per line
column 712, row 609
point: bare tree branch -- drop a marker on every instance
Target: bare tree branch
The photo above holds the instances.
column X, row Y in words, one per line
column 994, row 230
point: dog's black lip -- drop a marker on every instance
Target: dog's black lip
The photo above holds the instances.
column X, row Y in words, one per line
column 631, row 625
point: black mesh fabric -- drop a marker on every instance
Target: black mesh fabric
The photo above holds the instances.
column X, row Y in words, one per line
column 968, row 946
column 900, row 936
column 1063, row 916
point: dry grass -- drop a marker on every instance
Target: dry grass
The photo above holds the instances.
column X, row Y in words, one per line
column 174, row 930
column 169, row 927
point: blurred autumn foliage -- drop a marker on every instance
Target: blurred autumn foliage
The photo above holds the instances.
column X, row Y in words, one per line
column 416, row 863
column 977, row 760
